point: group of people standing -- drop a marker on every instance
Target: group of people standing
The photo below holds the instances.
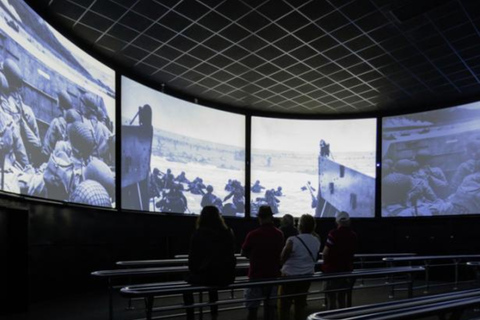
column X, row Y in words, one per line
column 272, row 253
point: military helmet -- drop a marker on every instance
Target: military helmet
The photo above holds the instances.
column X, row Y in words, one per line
column 64, row 100
column 98, row 171
column 395, row 187
column 156, row 171
column 89, row 101
column 13, row 73
column 72, row 116
column 91, row 193
column 209, row 188
column 423, row 155
column 406, row 166
column 82, row 138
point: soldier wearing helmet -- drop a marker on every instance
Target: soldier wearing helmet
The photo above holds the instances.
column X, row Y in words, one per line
column 272, row 201
column 155, row 183
column 420, row 189
column 467, row 197
column 12, row 146
column 182, row 178
column 469, row 166
column 168, row 179
column 257, row 188
column 278, row 192
column 173, row 201
column 57, row 130
column 8, row 165
column 82, row 141
column 21, row 113
column 197, row 186
column 238, row 197
column 433, row 176
column 98, row 171
column 91, row 193
column 209, row 198
column 396, row 188
column 91, row 107
column 60, row 176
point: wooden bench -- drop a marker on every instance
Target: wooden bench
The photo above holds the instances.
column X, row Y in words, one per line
column 439, row 304
column 149, row 291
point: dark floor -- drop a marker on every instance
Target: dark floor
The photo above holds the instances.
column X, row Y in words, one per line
column 94, row 306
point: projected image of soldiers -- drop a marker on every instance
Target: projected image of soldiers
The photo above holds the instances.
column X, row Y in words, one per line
column 76, row 145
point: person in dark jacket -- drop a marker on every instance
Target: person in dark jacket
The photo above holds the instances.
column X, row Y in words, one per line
column 287, row 227
column 211, row 259
column 338, row 256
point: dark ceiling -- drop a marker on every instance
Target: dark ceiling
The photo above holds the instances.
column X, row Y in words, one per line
column 299, row 57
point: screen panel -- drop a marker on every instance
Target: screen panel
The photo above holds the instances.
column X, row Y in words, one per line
column 430, row 161
column 313, row 166
column 195, row 154
column 57, row 115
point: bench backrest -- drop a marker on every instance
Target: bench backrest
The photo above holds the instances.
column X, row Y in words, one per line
column 152, row 290
column 413, row 307
column 424, row 258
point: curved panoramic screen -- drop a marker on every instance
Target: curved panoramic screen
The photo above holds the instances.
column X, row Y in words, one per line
column 314, row 166
column 178, row 157
column 430, row 163
column 57, row 114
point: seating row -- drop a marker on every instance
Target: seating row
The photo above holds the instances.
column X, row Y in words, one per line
column 150, row 291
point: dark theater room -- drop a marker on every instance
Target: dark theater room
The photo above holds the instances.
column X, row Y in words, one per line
column 240, row 159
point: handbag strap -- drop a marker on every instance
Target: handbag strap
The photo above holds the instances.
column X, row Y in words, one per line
column 310, row 252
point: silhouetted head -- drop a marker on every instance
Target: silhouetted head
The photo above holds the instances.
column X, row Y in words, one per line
column 342, row 219
column 265, row 214
column 287, row 220
column 306, row 224
column 210, row 218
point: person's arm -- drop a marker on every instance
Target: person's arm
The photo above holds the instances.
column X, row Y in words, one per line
column 437, row 178
column 287, row 251
column 19, row 147
column 232, row 238
column 203, row 203
column 194, row 254
column 328, row 244
column 325, row 253
column 246, row 247
column 228, row 196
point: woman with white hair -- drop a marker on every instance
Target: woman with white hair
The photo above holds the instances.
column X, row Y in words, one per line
column 299, row 257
